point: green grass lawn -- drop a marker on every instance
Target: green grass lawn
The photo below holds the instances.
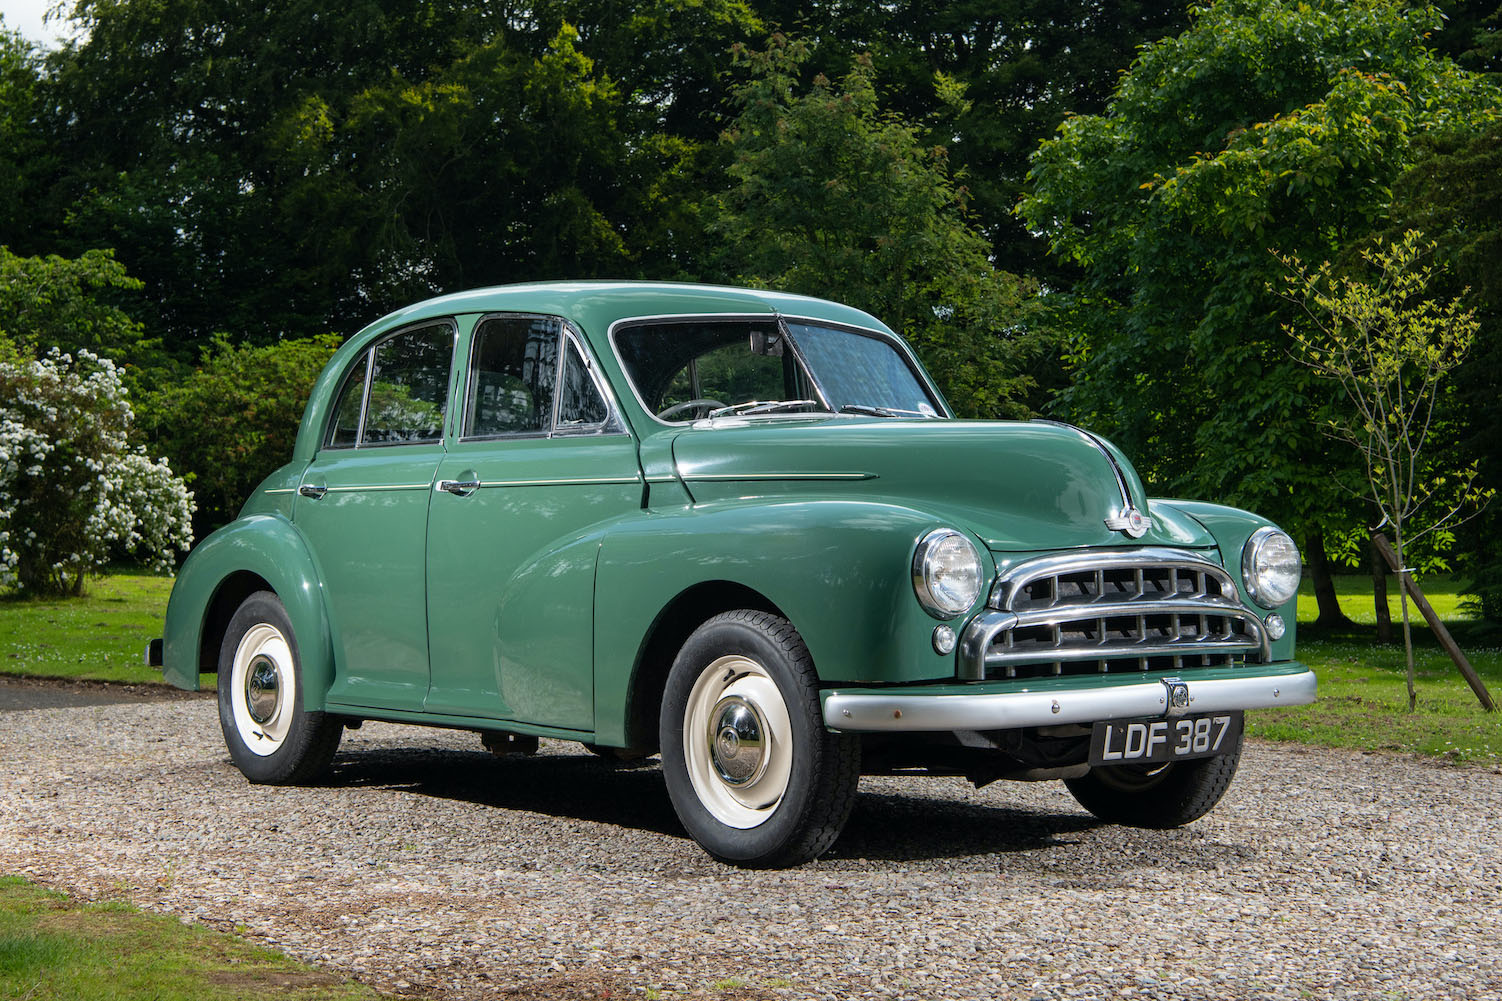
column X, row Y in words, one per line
column 99, row 637
column 54, row 948
column 1363, row 701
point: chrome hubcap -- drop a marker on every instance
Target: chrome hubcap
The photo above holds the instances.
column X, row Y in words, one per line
column 737, row 742
column 264, row 678
column 263, row 689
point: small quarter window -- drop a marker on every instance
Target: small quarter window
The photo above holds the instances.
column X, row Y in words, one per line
column 344, row 429
column 513, row 369
column 580, row 404
column 409, row 387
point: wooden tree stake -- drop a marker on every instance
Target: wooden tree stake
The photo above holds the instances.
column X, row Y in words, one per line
column 1445, row 639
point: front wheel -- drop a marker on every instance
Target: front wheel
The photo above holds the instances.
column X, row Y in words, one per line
column 1157, row 796
column 753, row 774
column 270, row 737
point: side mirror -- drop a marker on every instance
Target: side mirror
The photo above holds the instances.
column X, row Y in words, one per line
column 765, row 344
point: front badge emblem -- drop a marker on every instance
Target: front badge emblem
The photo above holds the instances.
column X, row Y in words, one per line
column 1177, row 700
column 1131, row 521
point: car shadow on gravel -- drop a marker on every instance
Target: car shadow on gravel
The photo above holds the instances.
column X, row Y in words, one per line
column 909, row 828
column 882, row 827
column 576, row 786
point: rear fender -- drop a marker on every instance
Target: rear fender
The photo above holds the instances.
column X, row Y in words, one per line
column 219, row 572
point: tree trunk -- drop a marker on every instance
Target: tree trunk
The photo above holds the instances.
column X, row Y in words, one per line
column 1397, row 534
column 1330, row 614
column 1379, row 594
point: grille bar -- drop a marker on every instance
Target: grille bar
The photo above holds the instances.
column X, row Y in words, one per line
column 1098, row 612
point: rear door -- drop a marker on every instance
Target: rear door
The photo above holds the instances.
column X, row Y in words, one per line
column 538, row 468
column 363, row 507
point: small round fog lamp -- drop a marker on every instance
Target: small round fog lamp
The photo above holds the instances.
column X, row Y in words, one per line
column 943, row 639
column 1275, row 627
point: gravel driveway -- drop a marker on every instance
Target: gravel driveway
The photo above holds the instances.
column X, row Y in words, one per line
column 427, row 866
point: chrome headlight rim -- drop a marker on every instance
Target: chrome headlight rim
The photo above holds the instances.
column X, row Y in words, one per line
column 1251, row 574
column 923, row 579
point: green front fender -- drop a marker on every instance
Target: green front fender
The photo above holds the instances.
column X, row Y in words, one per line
column 839, row 570
column 219, row 572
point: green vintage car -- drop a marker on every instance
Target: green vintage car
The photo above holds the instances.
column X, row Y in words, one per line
column 743, row 530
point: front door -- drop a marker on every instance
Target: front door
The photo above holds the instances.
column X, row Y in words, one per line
column 363, row 507
column 538, row 470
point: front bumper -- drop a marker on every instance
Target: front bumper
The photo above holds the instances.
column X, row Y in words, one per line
column 1051, row 701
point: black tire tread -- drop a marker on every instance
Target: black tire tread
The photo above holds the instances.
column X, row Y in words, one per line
column 1188, row 791
column 827, row 807
column 313, row 738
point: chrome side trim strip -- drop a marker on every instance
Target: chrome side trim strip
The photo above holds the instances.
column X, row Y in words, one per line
column 378, row 487
column 869, row 711
column 733, row 477
column 576, row 482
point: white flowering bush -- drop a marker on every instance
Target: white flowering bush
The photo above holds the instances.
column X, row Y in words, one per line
column 73, row 492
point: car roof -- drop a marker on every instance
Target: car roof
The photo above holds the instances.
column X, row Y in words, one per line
column 595, row 305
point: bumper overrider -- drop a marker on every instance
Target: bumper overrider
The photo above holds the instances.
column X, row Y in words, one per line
column 1045, row 704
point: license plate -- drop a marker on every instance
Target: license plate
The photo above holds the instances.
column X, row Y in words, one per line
column 1143, row 741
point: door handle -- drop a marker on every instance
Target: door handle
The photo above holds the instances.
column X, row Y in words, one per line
column 311, row 491
column 459, row 488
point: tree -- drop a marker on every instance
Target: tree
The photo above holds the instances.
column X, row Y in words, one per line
column 234, row 419
column 1454, row 194
column 832, row 197
column 73, row 491
column 1275, row 124
column 58, row 302
column 24, row 155
column 1391, row 348
column 1024, row 66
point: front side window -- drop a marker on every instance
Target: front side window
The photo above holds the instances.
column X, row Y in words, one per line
column 688, row 369
column 513, row 368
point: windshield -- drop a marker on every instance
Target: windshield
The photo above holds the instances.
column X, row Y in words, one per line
column 685, row 370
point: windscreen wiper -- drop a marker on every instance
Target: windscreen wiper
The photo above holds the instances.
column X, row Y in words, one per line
column 870, row 411
column 763, row 407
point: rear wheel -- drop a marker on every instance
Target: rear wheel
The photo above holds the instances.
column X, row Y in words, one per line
column 753, row 774
column 1157, row 796
column 270, row 737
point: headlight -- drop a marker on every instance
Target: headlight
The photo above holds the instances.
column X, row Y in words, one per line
column 1270, row 567
column 947, row 573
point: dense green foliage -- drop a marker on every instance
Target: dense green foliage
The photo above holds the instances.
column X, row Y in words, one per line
column 833, row 199
column 1454, row 194
column 1264, row 129
column 234, row 419
column 198, row 176
column 58, row 302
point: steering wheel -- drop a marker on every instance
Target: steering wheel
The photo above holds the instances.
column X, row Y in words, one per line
column 668, row 413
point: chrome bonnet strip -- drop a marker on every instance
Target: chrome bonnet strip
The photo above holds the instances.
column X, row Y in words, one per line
column 869, row 711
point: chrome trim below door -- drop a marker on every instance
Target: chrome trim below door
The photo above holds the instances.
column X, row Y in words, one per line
column 867, row 711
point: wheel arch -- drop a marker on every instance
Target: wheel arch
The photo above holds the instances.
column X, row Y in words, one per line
column 259, row 552
column 678, row 619
column 839, row 570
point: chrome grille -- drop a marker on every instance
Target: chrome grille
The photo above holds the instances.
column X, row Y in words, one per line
column 1102, row 612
